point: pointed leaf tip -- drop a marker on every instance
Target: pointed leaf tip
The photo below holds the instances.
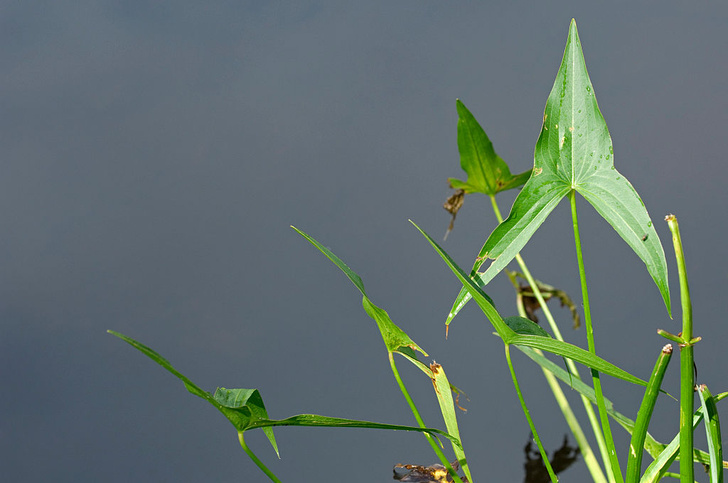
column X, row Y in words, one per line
column 574, row 152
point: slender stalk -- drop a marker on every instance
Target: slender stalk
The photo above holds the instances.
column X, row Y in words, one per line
column 687, row 382
column 573, row 423
column 586, row 451
column 421, row 423
column 541, row 449
column 269, row 473
column 636, row 446
column 613, row 460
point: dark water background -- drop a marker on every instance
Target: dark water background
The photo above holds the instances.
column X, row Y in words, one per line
column 154, row 155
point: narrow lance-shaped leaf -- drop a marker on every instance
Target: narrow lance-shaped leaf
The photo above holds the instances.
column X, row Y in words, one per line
column 244, row 408
column 574, row 152
column 240, row 406
column 662, row 462
column 664, row 454
column 712, row 430
column 509, row 336
column 394, row 338
column 398, row 341
column 315, row 420
column 447, row 408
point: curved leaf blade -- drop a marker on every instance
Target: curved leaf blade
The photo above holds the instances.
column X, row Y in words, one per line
column 353, row 277
column 394, row 338
column 240, row 406
column 509, row 336
column 330, row 422
column 712, row 430
column 443, row 392
column 156, row 357
column 576, row 354
column 483, row 301
column 664, row 459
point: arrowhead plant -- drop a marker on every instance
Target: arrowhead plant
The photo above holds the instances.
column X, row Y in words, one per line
column 573, row 155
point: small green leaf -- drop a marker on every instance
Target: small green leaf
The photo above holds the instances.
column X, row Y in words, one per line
column 524, row 326
column 574, row 152
column 487, row 172
column 240, row 406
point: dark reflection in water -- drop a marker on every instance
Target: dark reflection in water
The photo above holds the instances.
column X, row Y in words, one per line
column 562, row 458
column 536, row 471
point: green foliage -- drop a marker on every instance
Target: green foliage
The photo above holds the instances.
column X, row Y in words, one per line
column 712, row 431
column 573, row 154
column 487, row 172
column 244, row 408
column 634, row 459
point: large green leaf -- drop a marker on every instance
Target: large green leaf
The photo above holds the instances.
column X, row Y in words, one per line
column 487, row 172
column 574, row 152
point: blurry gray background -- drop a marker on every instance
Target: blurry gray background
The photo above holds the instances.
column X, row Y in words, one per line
column 154, row 154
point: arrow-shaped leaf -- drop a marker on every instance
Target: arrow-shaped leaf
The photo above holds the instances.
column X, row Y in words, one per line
column 487, row 172
column 574, row 152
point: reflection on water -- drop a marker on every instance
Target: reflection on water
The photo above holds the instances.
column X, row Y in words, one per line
column 562, row 458
column 536, row 471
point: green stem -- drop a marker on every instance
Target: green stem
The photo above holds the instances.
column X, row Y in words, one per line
column 639, row 434
column 613, row 460
column 255, row 459
column 573, row 423
column 421, row 423
column 687, row 382
column 541, row 449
